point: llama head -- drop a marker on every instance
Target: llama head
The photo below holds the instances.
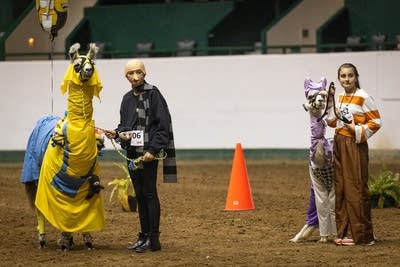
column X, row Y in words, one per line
column 83, row 64
column 316, row 95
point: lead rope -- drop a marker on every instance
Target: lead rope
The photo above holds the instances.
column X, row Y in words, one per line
column 340, row 117
column 134, row 163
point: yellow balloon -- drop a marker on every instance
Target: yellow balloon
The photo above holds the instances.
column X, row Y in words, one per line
column 52, row 15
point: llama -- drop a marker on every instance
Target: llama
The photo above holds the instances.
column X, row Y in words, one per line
column 60, row 170
column 320, row 165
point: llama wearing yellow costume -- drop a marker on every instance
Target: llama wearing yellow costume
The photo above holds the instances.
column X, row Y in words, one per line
column 68, row 186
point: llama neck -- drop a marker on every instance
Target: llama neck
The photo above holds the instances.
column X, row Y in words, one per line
column 318, row 128
column 320, row 149
column 80, row 106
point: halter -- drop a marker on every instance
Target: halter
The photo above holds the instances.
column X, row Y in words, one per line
column 312, row 99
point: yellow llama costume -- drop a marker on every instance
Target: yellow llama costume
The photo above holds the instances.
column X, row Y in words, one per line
column 70, row 159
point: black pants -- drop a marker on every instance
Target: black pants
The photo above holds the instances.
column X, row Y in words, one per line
column 145, row 185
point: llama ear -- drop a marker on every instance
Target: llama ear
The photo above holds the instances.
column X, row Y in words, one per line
column 324, row 82
column 93, row 49
column 74, row 51
column 307, row 82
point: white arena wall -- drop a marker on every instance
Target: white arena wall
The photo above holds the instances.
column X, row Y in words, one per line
column 215, row 102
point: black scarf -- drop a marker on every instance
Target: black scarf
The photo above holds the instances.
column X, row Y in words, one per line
column 169, row 163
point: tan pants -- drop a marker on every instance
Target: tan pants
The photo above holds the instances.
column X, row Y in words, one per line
column 352, row 207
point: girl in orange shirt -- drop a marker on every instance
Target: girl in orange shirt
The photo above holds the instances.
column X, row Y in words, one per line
column 356, row 118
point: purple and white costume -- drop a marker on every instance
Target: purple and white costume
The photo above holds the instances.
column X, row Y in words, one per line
column 321, row 159
column 321, row 209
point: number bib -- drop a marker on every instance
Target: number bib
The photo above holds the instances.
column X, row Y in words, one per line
column 137, row 138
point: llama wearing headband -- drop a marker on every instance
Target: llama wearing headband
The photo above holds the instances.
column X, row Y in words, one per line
column 60, row 170
column 320, row 166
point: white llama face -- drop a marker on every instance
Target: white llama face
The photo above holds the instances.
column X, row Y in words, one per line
column 84, row 66
column 317, row 101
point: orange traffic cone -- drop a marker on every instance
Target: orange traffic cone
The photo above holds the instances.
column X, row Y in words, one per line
column 239, row 191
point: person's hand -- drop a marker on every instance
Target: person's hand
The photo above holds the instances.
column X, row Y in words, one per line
column 111, row 134
column 148, row 157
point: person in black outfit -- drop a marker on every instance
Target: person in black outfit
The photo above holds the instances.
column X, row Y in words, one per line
column 145, row 130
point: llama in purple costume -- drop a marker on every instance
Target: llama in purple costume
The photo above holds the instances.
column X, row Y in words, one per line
column 321, row 210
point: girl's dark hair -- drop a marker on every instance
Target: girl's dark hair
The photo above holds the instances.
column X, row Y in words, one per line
column 349, row 65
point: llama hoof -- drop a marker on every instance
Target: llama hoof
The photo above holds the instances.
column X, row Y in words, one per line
column 64, row 245
column 323, row 239
column 42, row 241
column 294, row 240
column 304, row 234
column 89, row 245
column 88, row 240
column 66, row 242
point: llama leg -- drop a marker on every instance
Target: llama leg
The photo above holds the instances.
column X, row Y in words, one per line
column 312, row 215
column 41, row 228
column 323, row 207
column 66, row 241
column 311, row 220
column 303, row 234
column 88, row 240
column 332, row 215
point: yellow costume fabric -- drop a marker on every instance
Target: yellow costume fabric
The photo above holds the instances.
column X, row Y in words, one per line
column 65, row 206
column 71, row 78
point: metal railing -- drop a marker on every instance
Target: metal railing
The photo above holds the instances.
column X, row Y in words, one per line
column 220, row 50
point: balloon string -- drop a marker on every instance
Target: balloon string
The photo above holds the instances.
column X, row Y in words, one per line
column 52, row 72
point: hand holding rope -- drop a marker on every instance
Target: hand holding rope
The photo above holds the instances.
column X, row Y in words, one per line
column 331, row 92
column 133, row 163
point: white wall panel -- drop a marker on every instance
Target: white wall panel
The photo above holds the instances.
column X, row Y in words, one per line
column 215, row 101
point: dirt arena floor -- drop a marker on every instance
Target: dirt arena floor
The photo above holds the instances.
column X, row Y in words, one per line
column 196, row 231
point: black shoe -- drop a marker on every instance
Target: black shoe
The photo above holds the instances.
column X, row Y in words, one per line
column 152, row 244
column 141, row 240
column 144, row 247
column 155, row 247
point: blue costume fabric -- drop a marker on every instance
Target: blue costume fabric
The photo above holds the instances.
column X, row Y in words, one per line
column 36, row 147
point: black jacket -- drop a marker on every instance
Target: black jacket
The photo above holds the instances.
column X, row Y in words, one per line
column 158, row 113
